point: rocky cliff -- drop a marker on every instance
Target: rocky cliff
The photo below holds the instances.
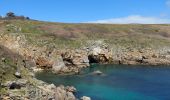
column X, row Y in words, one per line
column 62, row 61
column 30, row 46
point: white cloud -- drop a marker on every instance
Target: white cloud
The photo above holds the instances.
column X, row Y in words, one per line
column 168, row 3
column 136, row 19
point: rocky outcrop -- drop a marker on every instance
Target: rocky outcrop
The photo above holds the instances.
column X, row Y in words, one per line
column 42, row 57
column 58, row 65
column 71, row 89
column 15, row 84
column 143, row 56
column 37, row 91
column 15, row 62
column 68, row 61
column 74, row 60
column 99, row 52
column 62, row 94
column 60, row 61
column 43, row 62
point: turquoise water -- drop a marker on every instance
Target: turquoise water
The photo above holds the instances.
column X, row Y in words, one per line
column 119, row 82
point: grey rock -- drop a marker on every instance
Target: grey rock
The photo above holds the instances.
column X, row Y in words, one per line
column 51, row 87
column 85, row 98
column 70, row 96
column 17, row 74
column 22, row 82
column 71, row 89
column 58, row 65
column 98, row 72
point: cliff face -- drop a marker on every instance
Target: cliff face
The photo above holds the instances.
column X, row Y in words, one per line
column 67, row 48
column 25, row 87
column 61, row 60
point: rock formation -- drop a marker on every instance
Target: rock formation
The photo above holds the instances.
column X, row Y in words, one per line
column 18, row 52
column 42, row 92
column 74, row 60
column 99, row 52
column 85, row 98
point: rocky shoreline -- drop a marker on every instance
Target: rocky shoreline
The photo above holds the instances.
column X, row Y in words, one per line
column 24, row 86
column 35, row 58
column 40, row 91
column 72, row 60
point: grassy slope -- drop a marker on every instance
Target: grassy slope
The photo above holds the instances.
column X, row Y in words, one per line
column 63, row 35
column 74, row 35
column 8, row 66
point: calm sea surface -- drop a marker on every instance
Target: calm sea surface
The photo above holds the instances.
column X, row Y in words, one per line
column 118, row 82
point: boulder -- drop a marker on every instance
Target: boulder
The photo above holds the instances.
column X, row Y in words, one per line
column 17, row 74
column 22, row 82
column 74, row 60
column 51, row 87
column 29, row 63
column 85, row 98
column 71, row 89
column 98, row 72
column 16, row 84
column 58, row 65
column 100, row 54
column 70, row 96
column 62, row 94
column 77, row 57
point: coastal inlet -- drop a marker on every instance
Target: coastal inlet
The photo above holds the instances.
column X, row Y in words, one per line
column 117, row 82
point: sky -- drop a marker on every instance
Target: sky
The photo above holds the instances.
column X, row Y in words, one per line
column 91, row 11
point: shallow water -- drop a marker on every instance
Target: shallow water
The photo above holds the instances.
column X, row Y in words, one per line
column 119, row 82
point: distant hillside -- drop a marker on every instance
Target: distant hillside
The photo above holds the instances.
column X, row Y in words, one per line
column 75, row 35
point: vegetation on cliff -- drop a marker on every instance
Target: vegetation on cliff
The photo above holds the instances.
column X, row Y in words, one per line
column 65, row 47
column 10, row 63
column 64, row 35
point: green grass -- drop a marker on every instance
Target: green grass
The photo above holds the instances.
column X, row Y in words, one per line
column 62, row 35
column 8, row 66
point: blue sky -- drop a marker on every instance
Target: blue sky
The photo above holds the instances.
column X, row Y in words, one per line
column 99, row 11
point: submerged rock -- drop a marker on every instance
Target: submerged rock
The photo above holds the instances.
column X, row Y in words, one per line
column 98, row 72
column 85, row 98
